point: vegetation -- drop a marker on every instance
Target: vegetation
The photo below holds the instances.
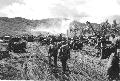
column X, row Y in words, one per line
column 83, row 66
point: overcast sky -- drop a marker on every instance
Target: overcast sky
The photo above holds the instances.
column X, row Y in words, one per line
column 94, row 10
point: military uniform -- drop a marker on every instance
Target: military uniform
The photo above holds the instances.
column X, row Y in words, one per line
column 53, row 51
column 113, row 71
column 64, row 55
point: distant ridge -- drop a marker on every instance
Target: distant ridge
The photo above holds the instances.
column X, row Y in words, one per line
column 19, row 26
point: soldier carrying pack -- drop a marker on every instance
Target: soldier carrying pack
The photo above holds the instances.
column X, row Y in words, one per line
column 64, row 55
column 53, row 51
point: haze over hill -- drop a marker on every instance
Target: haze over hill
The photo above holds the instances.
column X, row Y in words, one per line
column 18, row 25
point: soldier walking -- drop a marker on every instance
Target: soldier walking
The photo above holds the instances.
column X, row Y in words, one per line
column 64, row 54
column 53, row 52
column 113, row 67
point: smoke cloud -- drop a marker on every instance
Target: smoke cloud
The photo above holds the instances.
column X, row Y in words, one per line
column 55, row 28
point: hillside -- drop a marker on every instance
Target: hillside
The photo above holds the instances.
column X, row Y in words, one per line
column 18, row 25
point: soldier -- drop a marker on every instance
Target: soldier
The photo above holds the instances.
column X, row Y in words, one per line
column 103, row 41
column 108, row 50
column 113, row 67
column 50, row 53
column 53, row 51
column 64, row 55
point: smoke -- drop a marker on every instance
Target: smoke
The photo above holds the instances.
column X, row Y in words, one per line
column 53, row 29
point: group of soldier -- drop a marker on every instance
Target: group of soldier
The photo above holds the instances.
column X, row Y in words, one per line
column 60, row 49
column 107, row 45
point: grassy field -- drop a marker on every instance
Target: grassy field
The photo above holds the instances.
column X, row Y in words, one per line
column 82, row 66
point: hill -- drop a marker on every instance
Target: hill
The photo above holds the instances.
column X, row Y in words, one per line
column 18, row 25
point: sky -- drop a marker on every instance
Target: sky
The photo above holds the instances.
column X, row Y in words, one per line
column 83, row 10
